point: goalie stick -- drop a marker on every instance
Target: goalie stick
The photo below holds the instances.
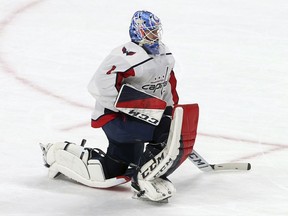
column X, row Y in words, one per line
column 203, row 165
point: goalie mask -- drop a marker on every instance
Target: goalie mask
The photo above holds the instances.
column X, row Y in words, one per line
column 145, row 30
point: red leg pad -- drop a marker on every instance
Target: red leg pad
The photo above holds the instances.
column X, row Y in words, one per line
column 188, row 134
column 189, row 129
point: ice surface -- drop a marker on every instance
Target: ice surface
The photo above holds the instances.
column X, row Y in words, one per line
column 231, row 59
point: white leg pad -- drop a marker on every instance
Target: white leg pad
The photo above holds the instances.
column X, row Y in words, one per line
column 73, row 162
column 51, row 149
column 96, row 171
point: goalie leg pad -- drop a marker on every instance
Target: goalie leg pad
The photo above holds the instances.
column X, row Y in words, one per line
column 188, row 134
column 161, row 163
column 64, row 156
column 67, row 161
column 74, row 162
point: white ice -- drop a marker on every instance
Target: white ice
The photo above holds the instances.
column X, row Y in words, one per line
column 232, row 59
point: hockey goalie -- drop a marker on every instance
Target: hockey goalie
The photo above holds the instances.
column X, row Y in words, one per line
column 149, row 134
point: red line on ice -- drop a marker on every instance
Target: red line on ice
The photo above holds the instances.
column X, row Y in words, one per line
column 242, row 140
column 12, row 72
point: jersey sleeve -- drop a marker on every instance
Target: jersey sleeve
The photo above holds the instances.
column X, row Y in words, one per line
column 107, row 81
column 103, row 84
column 173, row 84
column 171, row 95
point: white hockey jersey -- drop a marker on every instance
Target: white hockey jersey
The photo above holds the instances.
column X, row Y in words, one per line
column 131, row 64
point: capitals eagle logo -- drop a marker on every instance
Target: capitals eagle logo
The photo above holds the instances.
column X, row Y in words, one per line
column 128, row 53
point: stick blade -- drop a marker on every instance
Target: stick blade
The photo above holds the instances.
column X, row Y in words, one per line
column 231, row 166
